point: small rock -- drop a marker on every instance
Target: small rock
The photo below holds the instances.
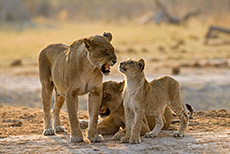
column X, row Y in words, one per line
column 176, row 70
column 17, row 62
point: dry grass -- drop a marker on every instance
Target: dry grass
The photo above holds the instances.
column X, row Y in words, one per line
column 152, row 42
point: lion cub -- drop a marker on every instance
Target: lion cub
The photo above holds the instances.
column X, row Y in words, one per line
column 112, row 107
column 149, row 98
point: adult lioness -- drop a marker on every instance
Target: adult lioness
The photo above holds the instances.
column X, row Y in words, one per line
column 112, row 107
column 143, row 98
column 73, row 71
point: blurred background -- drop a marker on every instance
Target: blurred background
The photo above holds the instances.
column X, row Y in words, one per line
column 189, row 40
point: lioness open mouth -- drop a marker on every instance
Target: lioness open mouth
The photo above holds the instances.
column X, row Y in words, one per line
column 106, row 68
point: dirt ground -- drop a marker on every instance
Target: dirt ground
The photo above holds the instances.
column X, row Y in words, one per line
column 201, row 69
column 21, row 132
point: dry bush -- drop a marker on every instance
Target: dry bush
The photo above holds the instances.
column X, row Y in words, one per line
column 13, row 10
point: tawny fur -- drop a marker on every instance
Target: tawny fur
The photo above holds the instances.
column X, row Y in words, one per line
column 149, row 98
column 74, row 71
column 112, row 100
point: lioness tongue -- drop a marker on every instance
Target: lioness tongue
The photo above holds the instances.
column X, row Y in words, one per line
column 107, row 67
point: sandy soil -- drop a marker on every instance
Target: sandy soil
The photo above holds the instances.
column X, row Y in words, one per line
column 205, row 89
column 21, row 132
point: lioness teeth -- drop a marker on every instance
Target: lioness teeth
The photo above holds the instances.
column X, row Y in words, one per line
column 107, row 67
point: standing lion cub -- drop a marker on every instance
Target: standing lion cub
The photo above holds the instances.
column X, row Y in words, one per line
column 74, row 71
column 149, row 98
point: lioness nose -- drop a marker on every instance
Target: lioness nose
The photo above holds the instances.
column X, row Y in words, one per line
column 114, row 61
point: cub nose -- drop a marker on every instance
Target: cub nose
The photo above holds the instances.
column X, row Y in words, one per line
column 114, row 61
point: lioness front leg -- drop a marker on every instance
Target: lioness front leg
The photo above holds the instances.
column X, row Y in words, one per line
column 59, row 100
column 72, row 105
column 46, row 93
column 136, row 128
column 93, row 109
column 159, row 125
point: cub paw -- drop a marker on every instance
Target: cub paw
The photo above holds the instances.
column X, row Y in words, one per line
column 97, row 138
column 135, row 140
column 118, row 135
column 76, row 139
column 150, row 135
column 49, row 131
column 60, row 129
column 125, row 139
column 177, row 134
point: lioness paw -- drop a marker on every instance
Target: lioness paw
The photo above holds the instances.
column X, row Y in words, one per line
column 97, row 138
column 125, row 139
column 76, row 139
column 60, row 129
column 49, row 131
column 177, row 134
column 150, row 135
column 135, row 140
column 119, row 135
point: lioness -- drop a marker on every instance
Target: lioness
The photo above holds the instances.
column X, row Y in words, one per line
column 73, row 71
column 149, row 98
column 112, row 107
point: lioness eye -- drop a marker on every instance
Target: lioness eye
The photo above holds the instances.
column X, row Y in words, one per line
column 107, row 96
column 105, row 52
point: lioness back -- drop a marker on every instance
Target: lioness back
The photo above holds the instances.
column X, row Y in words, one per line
column 52, row 51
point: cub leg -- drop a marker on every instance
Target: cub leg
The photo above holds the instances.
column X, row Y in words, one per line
column 129, row 117
column 46, row 93
column 159, row 125
column 93, row 109
column 136, row 128
column 144, row 129
column 145, row 126
column 182, row 115
column 59, row 100
column 72, row 105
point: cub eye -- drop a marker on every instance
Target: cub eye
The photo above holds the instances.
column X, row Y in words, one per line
column 131, row 62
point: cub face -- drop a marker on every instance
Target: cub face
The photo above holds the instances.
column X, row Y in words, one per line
column 112, row 97
column 131, row 67
column 101, row 52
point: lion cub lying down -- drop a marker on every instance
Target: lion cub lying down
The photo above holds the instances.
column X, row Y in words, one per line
column 112, row 107
column 149, row 98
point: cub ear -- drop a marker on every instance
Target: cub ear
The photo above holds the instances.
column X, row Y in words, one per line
column 120, row 86
column 108, row 36
column 88, row 44
column 141, row 64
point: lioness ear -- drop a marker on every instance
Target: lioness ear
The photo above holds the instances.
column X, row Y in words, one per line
column 120, row 86
column 88, row 43
column 141, row 64
column 108, row 36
